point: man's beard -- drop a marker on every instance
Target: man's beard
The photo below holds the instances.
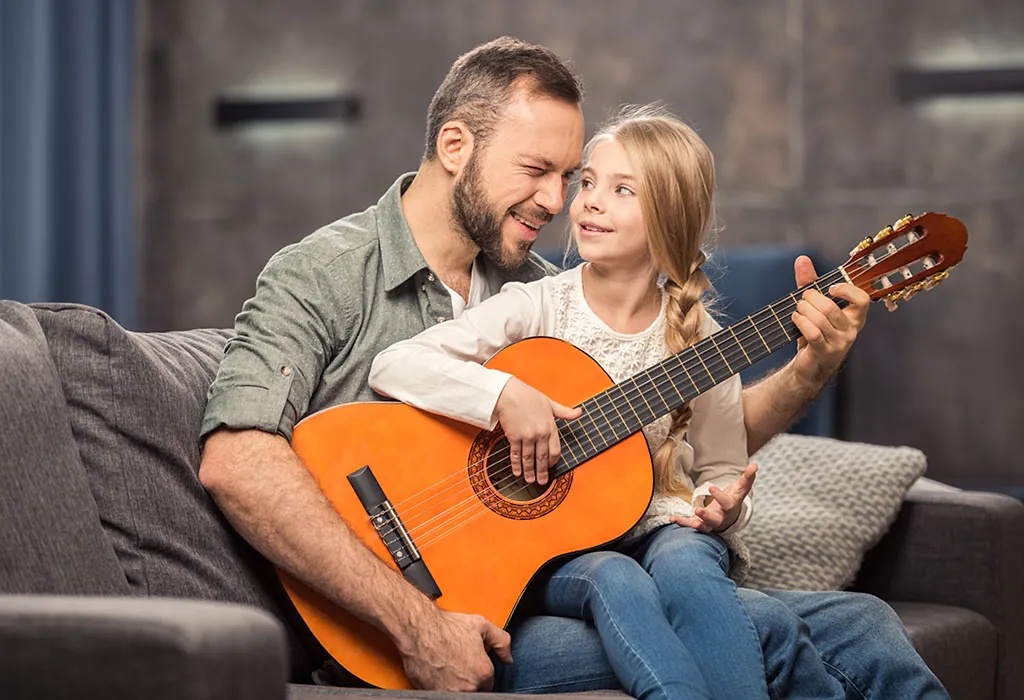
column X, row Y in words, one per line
column 474, row 214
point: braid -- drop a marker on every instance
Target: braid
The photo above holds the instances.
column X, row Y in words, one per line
column 676, row 175
column 684, row 316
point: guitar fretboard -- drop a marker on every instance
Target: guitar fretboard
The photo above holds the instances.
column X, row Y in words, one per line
column 622, row 410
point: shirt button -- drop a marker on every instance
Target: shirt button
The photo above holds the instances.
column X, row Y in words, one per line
column 441, row 319
column 286, row 371
column 430, row 277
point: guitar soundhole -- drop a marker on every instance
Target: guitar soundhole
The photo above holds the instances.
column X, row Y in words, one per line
column 502, row 491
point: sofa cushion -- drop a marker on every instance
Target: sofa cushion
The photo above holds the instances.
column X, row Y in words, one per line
column 819, row 505
column 50, row 536
column 136, row 401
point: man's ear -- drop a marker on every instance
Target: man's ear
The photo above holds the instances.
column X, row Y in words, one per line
column 454, row 146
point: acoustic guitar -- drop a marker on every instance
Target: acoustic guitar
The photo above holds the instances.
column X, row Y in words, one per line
column 436, row 499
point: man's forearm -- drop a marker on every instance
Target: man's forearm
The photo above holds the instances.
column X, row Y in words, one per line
column 273, row 501
column 773, row 404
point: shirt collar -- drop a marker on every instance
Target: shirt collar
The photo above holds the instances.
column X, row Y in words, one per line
column 400, row 256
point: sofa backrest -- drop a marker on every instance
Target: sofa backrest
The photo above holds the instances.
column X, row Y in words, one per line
column 135, row 402
column 51, row 540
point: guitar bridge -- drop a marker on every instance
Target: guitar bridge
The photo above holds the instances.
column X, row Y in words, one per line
column 392, row 531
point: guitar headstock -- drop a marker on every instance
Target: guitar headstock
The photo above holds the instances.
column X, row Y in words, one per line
column 914, row 254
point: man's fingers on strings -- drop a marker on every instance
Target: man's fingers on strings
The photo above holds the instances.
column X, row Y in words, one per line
column 816, row 317
column 808, row 331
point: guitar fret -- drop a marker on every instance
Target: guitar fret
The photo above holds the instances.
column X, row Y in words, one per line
column 605, row 415
column 696, row 352
column 654, row 385
column 565, row 443
column 724, row 358
column 675, row 388
column 600, row 433
column 581, row 422
column 622, row 420
column 749, row 362
column 700, row 383
column 629, row 404
column 676, row 399
column 771, row 307
column 767, row 347
column 644, row 399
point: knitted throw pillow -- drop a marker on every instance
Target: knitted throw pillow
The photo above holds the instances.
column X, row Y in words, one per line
column 819, row 505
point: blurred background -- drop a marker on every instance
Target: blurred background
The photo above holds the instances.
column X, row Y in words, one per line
column 148, row 165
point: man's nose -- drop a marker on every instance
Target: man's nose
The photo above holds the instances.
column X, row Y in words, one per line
column 551, row 195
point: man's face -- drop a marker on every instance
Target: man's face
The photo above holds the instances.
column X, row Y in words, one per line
column 516, row 182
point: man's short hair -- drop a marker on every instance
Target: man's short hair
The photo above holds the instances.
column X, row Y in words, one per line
column 481, row 83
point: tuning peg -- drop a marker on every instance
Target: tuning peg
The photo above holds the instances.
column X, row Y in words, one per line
column 862, row 245
column 936, row 279
column 890, row 302
column 900, row 223
column 881, row 235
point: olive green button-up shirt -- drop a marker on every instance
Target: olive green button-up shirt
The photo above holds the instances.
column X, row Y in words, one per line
column 324, row 307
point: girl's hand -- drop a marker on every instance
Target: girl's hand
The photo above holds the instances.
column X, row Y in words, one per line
column 726, row 507
column 528, row 419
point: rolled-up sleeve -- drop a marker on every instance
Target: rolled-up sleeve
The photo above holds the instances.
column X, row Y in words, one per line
column 284, row 337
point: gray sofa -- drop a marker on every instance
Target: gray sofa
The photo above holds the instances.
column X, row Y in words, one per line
column 120, row 579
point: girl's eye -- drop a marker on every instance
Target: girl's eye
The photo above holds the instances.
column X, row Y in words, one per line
column 623, row 190
column 586, row 183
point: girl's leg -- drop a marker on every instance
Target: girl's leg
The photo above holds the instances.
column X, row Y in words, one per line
column 690, row 570
column 612, row 592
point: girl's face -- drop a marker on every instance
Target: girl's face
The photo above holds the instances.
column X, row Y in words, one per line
column 606, row 218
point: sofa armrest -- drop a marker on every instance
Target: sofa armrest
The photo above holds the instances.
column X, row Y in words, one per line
column 952, row 547
column 131, row 648
column 959, row 548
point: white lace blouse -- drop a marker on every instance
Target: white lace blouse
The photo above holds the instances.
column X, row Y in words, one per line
column 440, row 371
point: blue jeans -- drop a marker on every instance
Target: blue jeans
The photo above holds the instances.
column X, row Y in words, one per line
column 668, row 617
column 856, row 638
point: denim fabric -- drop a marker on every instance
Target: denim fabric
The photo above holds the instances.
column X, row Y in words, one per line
column 668, row 616
column 831, row 644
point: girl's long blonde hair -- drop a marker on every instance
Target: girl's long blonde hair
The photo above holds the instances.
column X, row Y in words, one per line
column 675, row 173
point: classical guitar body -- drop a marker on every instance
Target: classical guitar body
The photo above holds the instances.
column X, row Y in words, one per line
column 480, row 534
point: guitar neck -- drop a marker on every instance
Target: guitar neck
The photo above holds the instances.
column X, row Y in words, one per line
column 618, row 412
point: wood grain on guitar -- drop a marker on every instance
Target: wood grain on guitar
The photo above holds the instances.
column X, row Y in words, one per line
column 436, row 499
